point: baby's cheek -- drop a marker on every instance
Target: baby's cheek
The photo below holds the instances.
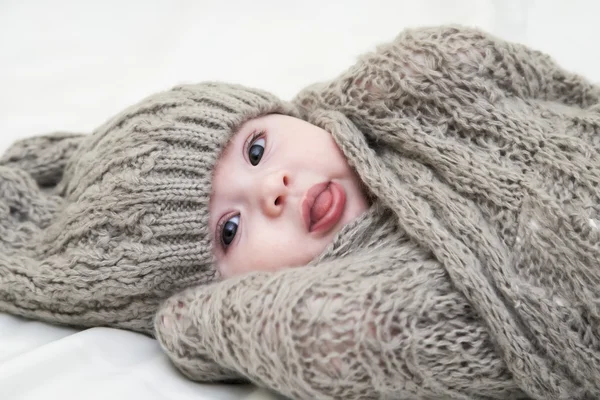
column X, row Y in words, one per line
column 244, row 263
column 276, row 248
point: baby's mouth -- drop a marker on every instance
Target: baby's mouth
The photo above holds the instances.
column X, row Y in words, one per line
column 323, row 206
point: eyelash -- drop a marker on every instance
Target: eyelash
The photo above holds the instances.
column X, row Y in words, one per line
column 251, row 139
column 220, row 227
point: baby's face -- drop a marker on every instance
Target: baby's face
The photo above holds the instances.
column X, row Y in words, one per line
column 282, row 189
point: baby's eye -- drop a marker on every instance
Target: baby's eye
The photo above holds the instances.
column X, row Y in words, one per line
column 229, row 230
column 256, row 150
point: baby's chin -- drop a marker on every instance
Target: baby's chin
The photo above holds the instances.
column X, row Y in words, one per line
column 355, row 210
column 357, row 203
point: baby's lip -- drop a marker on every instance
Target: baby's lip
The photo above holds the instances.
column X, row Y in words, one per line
column 335, row 210
column 309, row 200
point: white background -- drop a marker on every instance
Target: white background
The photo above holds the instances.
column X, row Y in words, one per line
column 71, row 65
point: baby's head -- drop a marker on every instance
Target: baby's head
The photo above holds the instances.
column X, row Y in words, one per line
column 134, row 216
column 281, row 190
column 205, row 181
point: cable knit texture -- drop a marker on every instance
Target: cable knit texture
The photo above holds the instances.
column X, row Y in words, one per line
column 97, row 230
column 476, row 273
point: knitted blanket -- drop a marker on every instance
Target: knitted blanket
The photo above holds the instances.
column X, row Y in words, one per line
column 476, row 274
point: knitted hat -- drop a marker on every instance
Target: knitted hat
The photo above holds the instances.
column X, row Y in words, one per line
column 127, row 225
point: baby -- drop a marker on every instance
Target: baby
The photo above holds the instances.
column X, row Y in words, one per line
column 442, row 196
column 281, row 191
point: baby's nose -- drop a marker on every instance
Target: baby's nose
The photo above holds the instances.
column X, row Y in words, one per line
column 274, row 193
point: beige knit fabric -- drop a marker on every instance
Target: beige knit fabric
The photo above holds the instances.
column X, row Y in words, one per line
column 97, row 230
column 476, row 274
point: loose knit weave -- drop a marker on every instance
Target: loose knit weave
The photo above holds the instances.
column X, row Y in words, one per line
column 476, row 273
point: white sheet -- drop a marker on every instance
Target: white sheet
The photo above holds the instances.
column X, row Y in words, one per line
column 41, row 361
column 71, row 65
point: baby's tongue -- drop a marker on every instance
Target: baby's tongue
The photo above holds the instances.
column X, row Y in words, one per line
column 321, row 205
